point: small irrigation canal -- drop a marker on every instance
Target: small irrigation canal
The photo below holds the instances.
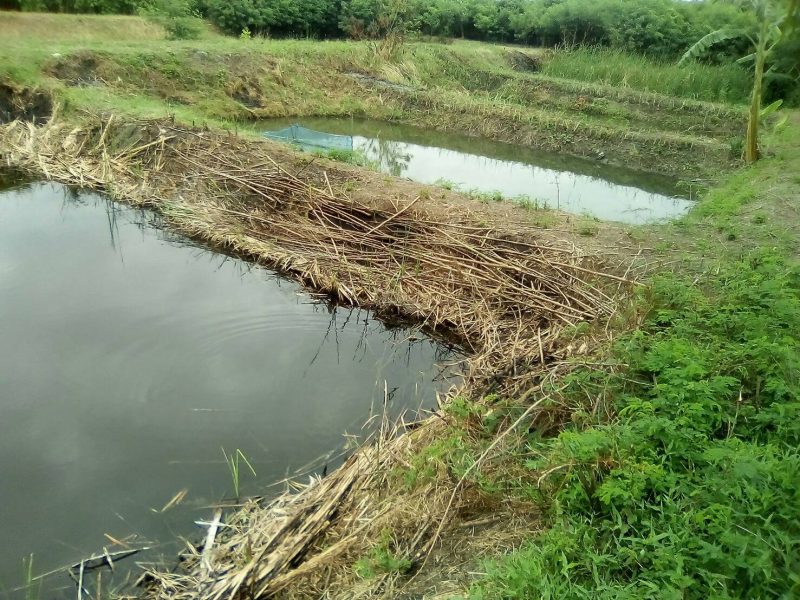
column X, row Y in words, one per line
column 131, row 358
column 471, row 164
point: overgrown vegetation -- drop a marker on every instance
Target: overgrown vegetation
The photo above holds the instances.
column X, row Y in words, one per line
column 675, row 476
column 465, row 87
column 179, row 19
column 690, row 490
column 777, row 20
column 612, row 67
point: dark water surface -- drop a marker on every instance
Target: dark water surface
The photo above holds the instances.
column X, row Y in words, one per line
column 566, row 183
column 129, row 358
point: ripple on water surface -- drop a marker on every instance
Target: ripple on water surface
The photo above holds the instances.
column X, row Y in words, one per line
column 129, row 358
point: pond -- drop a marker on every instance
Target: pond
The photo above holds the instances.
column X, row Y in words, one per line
column 131, row 358
column 561, row 182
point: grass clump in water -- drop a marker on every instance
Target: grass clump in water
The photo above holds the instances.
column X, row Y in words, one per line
column 234, row 462
column 32, row 584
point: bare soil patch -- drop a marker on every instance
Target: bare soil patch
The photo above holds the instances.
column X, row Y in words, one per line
column 83, row 68
column 23, row 103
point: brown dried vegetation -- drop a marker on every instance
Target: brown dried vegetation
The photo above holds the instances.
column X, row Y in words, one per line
column 503, row 292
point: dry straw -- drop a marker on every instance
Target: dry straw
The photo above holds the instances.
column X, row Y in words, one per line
column 502, row 293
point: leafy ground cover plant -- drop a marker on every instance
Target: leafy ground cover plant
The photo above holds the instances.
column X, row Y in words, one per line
column 691, row 491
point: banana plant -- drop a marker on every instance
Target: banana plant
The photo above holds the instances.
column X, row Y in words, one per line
column 775, row 18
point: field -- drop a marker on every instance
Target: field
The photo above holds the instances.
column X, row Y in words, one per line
column 628, row 428
column 468, row 87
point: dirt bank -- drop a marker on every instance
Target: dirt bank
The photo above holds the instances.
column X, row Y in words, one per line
column 24, row 103
column 678, row 138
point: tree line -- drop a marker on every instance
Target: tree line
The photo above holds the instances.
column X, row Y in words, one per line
column 664, row 28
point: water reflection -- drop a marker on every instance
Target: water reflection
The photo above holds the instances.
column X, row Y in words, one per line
column 392, row 157
column 129, row 358
column 566, row 183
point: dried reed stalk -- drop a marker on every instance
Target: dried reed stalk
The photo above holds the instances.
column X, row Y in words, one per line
column 504, row 296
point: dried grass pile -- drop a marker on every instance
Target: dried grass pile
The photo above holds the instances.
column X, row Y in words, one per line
column 504, row 296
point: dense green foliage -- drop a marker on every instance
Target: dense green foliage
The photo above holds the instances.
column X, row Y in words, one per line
column 691, row 492
column 177, row 17
column 276, row 17
column 664, row 28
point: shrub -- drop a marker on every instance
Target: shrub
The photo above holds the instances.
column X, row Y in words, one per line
column 175, row 16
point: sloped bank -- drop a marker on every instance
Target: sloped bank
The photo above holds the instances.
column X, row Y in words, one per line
column 504, row 291
column 296, row 81
column 25, row 103
column 670, row 153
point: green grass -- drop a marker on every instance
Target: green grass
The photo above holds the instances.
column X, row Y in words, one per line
column 350, row 157
column 676, row 474
column 30, row 39
column 382, row 559
column 59, row 28
column 756, row 206
column 690, row 491
column 725, row 83
column 32, row 585
column 234, row 463
column 523, row 202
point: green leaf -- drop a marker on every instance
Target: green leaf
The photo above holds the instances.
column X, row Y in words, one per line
column 768, row 110
column 704, row 43
column 746, row 59
column 781, row 124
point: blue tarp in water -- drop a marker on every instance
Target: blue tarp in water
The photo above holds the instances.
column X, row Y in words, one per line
column 308, row 139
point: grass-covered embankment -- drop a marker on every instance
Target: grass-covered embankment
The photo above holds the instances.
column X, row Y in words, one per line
column 675, row 476
column 481, row 89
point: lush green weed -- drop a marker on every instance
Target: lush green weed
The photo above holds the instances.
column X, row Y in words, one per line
column 692, row 491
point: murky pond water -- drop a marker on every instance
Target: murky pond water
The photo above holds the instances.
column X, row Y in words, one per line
column 130, row 358
column 566, row 183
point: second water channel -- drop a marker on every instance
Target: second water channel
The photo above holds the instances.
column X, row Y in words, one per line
column 569, row 184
